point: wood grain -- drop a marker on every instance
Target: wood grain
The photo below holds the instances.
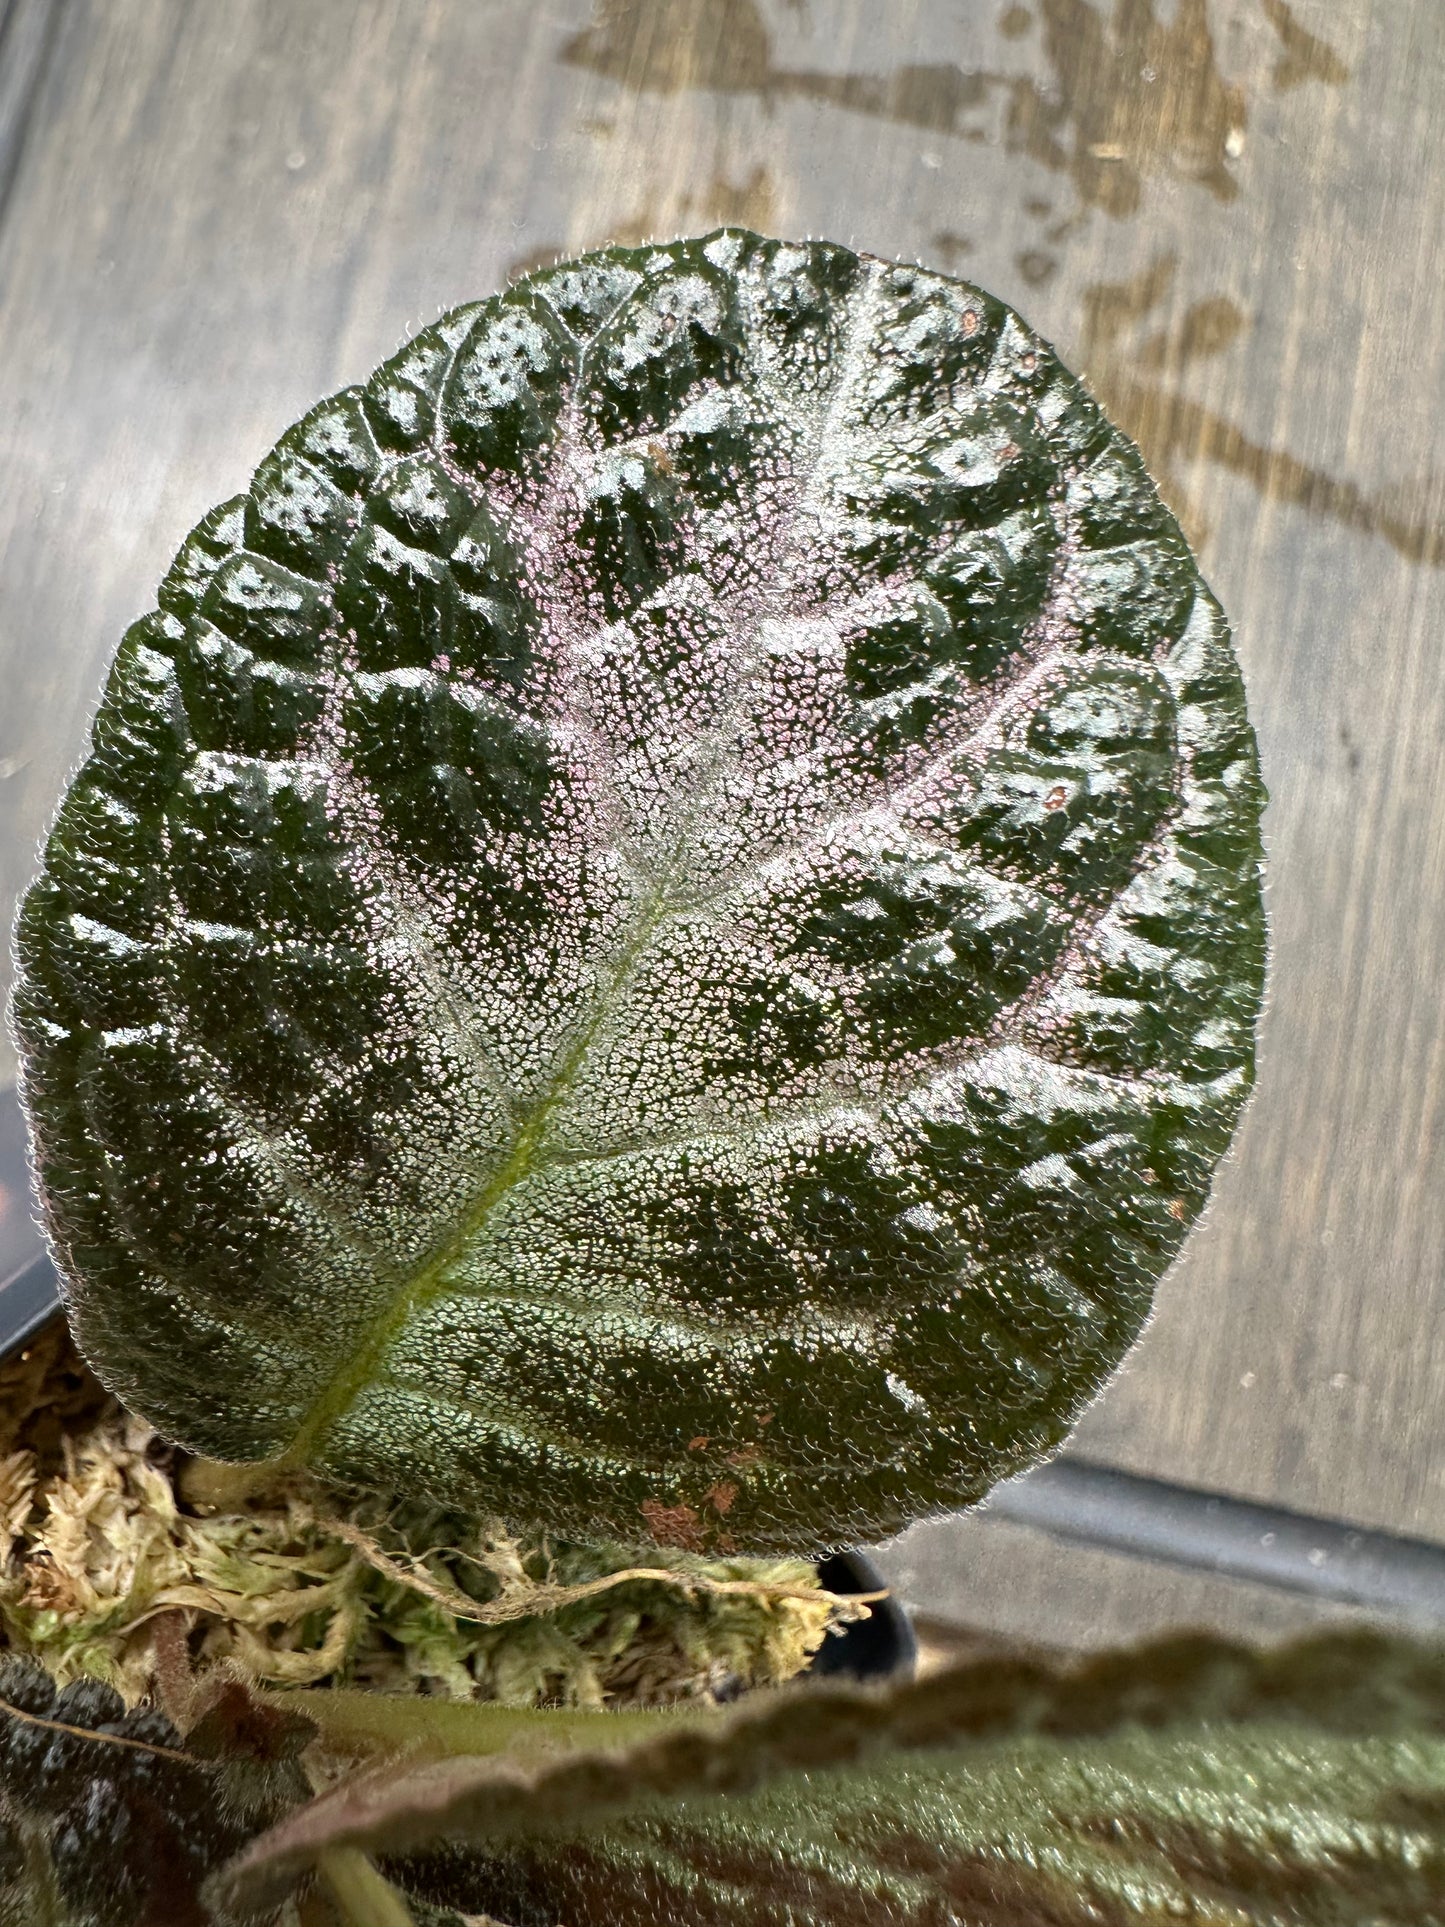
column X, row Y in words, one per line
column 1229, row 213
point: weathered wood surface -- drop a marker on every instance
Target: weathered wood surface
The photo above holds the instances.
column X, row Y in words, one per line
column 1229, row 213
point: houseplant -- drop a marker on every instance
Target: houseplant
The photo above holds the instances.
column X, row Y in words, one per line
column 657, row 945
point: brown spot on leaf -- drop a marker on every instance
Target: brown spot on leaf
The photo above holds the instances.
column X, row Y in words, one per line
column 673, row 1525
column 720, row 1496
column 1177, row 1209
column 700, row 1443
column 1056, row 798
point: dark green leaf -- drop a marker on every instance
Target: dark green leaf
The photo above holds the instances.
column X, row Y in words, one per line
column 1244, row 1827
column 662, row 931
column 986, row 1752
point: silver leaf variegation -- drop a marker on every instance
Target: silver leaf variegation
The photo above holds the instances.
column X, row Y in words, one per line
column 662, row 929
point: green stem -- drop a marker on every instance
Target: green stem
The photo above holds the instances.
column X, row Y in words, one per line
column 362, row 1897
column 386, row 1723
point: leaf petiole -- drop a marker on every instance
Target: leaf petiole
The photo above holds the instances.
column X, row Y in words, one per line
column 363, row 1897
column 377, row 1723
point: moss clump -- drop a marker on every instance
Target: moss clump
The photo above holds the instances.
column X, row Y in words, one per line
column 102, row 1560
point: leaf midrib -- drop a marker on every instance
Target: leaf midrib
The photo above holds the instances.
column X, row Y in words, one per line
column 361, row 1366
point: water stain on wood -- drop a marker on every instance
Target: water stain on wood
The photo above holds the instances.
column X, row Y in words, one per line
column 1171, row 426
column 1128, row 96
column 1303, row 56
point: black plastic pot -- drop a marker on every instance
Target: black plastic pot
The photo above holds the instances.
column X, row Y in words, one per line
column 882, row 1646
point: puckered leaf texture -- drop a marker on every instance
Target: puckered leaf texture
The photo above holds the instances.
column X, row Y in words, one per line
column 1190, row 1779
column 1245, row 1827
column 661, row 930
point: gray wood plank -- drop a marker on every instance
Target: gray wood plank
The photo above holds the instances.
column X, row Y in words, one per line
column 1229, row 213
column 29, row 30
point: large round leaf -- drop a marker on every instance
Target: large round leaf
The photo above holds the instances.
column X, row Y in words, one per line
column 662, row 930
